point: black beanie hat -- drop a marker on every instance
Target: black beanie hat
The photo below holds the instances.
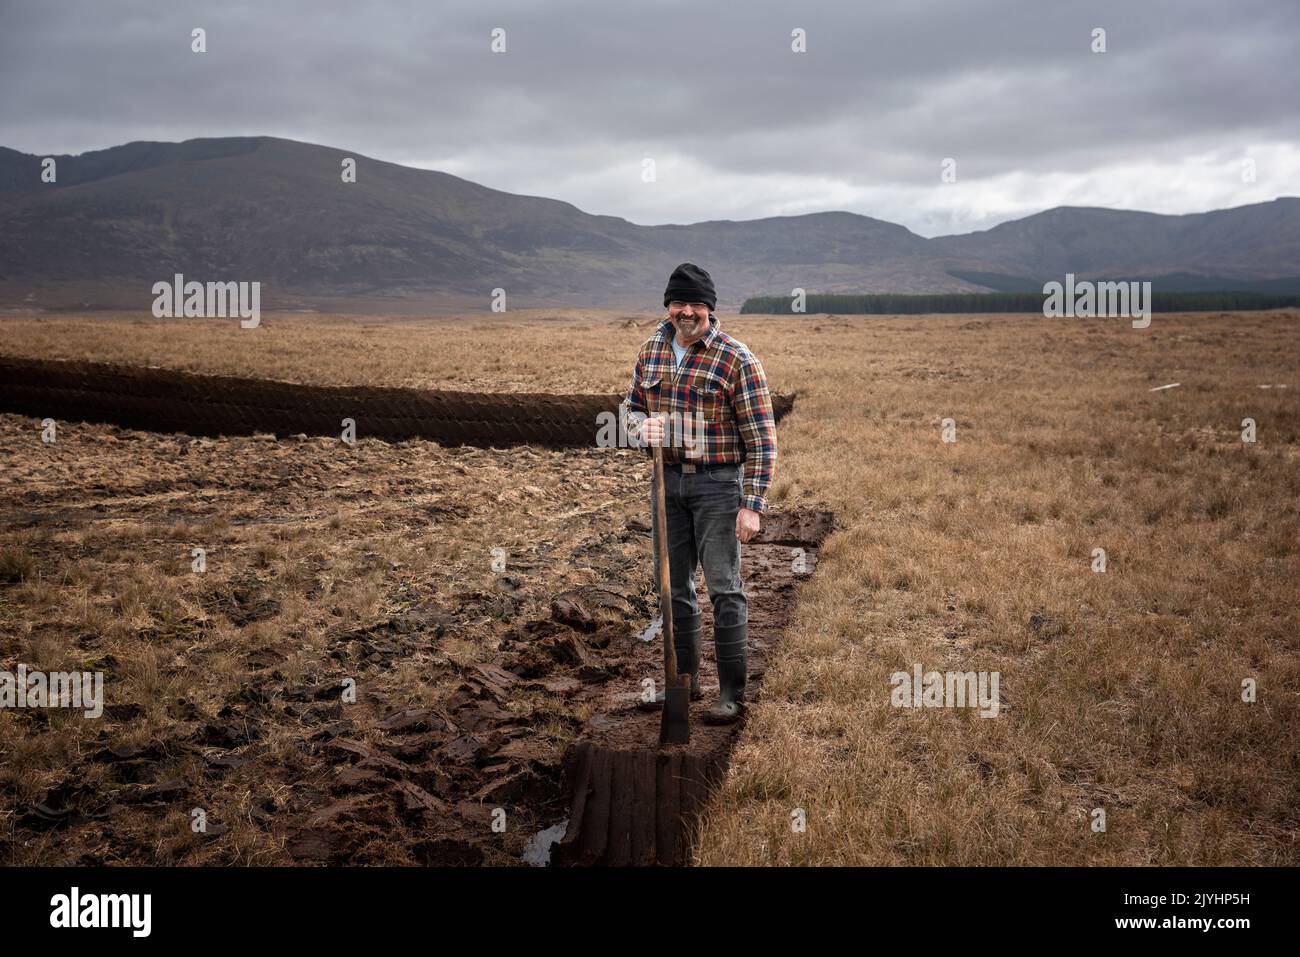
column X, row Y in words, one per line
column 690, row 283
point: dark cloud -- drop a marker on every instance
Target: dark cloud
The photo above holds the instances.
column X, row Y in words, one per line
column 739, row 126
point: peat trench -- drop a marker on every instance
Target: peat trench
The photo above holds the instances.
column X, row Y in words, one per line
column 164, row 400
column 634, row 802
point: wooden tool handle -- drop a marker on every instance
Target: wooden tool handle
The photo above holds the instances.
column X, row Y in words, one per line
column 665, row 581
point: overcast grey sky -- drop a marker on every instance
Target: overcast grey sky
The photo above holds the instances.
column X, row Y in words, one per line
column 739, row 126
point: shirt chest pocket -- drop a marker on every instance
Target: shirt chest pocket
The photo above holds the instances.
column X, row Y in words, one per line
column 652, row 387
column 709, row 402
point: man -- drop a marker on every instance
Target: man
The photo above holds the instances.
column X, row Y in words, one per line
column 715, row 482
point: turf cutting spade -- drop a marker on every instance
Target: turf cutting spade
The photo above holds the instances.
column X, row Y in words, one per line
column 675, row 724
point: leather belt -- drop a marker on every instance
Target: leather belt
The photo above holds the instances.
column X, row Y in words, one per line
column 687, row 468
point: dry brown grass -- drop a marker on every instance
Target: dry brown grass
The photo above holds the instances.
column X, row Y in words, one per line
column 1120, row 690
column 358, row 350
column 340, row 538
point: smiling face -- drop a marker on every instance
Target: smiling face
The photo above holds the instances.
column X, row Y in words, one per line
column 690, row 319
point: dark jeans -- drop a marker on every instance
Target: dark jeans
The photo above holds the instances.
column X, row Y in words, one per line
column 701, row 509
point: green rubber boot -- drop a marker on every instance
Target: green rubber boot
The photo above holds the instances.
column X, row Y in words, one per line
column 731, row 645
column 686, row 642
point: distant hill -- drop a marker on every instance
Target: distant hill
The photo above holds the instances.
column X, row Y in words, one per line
column 1256, row 242
column 276, row 210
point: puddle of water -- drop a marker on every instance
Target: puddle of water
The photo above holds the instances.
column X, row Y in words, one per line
column 538, row 850
column 651, row 633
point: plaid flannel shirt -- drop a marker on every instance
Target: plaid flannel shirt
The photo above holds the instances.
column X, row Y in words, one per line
column 724, row 383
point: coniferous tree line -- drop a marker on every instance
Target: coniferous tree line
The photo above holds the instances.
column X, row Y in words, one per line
column 911, row 304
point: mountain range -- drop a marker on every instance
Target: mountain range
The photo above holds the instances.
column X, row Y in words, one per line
column 277, row 211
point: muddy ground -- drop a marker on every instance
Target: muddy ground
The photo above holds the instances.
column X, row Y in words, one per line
column 483, row 604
